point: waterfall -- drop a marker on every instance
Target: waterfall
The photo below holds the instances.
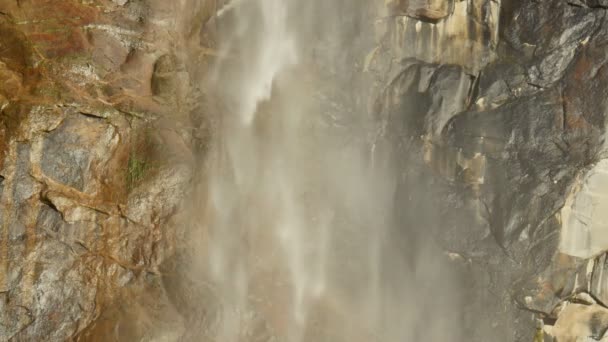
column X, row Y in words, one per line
column 301, row 244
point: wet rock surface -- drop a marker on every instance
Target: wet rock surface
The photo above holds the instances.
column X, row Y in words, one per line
column 516, row 164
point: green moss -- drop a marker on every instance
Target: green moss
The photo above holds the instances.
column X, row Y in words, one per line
column 143, row 156
column 539, row 336
column 136, row 171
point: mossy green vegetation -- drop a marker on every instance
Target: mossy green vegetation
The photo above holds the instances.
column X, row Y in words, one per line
column 136, row 170
column 144, row 155
column 539, row 336
column 139, row 162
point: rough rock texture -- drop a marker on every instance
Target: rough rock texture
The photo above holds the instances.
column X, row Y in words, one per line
column 97, row 134
column 497, row 108
column 512, row 136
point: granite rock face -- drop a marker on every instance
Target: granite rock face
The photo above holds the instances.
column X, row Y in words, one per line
column 497, row 110
column 96, row 150
column 513, row 150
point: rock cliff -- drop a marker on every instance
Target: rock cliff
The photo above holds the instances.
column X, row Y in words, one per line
column 496, row 111
column 510, row 117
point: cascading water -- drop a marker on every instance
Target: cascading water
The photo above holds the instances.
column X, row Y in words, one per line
column 302, row 243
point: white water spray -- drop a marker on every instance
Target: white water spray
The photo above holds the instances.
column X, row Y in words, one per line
column 299, row 245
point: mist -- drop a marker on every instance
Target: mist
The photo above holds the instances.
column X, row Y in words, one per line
column 305, row 235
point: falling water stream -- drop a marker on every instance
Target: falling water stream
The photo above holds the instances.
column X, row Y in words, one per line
column 301, row 242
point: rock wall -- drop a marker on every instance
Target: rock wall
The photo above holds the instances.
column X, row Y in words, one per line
column 98, row 133
column 498, row 111
column 504, row 123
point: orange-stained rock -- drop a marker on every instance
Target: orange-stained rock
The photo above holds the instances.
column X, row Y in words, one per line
column 86, row 193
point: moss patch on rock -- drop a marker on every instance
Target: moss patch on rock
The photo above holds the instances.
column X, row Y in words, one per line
column 145, row 156
column 136, row 171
